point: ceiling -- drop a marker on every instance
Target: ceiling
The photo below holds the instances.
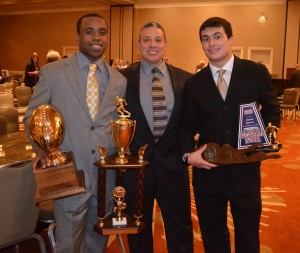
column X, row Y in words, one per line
column 10, row 7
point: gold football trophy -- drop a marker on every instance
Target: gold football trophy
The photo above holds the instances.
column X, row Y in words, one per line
column 47, row 130
column 122, row 131
column 61, row 179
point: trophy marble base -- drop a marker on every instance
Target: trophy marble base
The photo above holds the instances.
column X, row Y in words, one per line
column 59, row 181
column 109, row 228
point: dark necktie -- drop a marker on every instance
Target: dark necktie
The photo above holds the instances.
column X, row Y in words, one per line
column 160, row 118
column 221, row 83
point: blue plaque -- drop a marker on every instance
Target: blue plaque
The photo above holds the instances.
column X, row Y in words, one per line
column 251, row 127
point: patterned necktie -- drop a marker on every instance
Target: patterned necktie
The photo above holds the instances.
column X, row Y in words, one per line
column 92, row 95
column 160, row 118
column 221, row 83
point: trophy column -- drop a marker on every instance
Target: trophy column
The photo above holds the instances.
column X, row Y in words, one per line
column 122, row 131
column 133, row 225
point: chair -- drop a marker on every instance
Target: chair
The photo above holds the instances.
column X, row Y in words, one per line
column 23, row 95
column 290, row 101
column 46, row 216
column 12, row 117
column 7, row 99
column 19, row 213
column 3, row 125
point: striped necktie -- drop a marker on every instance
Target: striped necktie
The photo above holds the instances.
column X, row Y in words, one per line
column 221, row 83
column 160, row 118
column 92, row 95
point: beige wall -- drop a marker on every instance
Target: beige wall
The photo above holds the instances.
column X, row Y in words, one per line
column 182, row 26
column 23, row 34
column 292, row 38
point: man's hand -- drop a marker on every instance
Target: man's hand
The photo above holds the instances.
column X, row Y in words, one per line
column 197, row 160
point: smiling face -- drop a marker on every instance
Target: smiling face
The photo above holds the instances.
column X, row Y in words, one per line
column 92, row 37
column 216, row 45
column 152, row 44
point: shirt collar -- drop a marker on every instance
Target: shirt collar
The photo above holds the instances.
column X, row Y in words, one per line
column 83, row 61
column 228, row 66
column 147, row 67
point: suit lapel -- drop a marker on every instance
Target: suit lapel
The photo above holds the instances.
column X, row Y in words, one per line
column 208, row 83
column 177, row 96
column 237, row 77
column 136, row 92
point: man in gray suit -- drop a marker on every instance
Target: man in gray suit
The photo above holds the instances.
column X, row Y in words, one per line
column 63, row 84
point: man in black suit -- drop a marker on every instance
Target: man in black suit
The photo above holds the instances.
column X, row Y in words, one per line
column 166, row 178
column 216, row 119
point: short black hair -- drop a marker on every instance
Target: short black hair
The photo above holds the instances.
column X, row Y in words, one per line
column 153, row 24
column 86, row 16
column 217, row 22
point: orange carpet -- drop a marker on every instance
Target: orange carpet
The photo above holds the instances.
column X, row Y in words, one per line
column 280, row 223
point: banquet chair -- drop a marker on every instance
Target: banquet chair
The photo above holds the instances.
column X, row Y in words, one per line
column 23, row 95
column 19, row 213
column 12, row 117
column 7, row 99
column 290, row 102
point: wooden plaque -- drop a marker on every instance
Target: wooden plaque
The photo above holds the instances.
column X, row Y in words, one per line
column 59, row 181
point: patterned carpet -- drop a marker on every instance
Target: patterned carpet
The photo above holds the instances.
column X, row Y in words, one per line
column 280, row 225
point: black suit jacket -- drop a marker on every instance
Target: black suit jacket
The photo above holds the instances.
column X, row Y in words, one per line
column 217, row 121
column 164, row 153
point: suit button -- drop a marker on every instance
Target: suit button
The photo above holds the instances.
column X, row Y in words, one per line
column 92, row 128
column 93, row 151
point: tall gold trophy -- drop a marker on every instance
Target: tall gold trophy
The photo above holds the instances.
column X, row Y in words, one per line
column 122, row 131
column 61, row 179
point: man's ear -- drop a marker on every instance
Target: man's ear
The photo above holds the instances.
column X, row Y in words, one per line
column 231, row 40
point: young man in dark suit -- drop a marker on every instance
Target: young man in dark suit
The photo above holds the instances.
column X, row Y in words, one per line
column 166, row 178
column 216, row 119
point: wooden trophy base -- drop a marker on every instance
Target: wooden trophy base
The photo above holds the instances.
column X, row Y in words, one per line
column 59, row 181
column 109, row 229
column 226, row 154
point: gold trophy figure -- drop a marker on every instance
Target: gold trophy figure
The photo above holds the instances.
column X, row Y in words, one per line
column 122, row 130
column 119, row 196
column 47, row 130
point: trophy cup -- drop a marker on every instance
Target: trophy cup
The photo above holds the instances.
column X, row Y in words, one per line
column 122, row 131
column 61, row 179
column 254, row 141
column 119, row 196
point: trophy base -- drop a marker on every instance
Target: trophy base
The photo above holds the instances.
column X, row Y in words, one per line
column 59, row 181
column 109, row 228
column 226, row 154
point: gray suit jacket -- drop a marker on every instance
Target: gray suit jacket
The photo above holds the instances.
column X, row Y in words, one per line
column 60, row 86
